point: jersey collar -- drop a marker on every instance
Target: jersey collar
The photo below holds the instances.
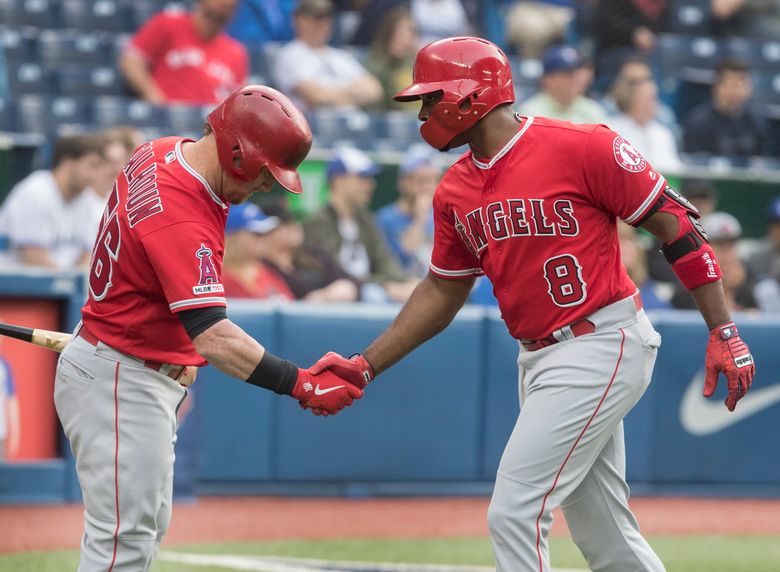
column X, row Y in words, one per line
column 506, row 149
column 194, row 173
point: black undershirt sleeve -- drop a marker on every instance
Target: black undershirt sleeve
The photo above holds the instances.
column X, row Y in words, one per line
column 199, row 320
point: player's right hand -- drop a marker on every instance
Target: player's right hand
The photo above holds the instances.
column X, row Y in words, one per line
column 355, row 369
column 325, row 393
column 727, row 353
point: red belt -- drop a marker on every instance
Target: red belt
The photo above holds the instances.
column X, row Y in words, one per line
column 174, row 372
column 578, row 328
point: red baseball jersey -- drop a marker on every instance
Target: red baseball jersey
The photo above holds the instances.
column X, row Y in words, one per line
column 159, row 251
column 539, row 219
column 186, row 67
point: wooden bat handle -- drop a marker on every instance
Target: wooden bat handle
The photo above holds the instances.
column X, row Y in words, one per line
column 55, row 341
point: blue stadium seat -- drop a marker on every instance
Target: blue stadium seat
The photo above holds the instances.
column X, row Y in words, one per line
column 43, row 114
column 142, row 10
column 758, row 54
column 690, row 17
column 96, row 15
column 19, row 46
column 110, row 111
column 334, row 126
column 36, row 13
column 402, row 126
column 185, row 118
column 7, row 116
column 766, row 92
column 689, row 58
column 70, row 47
column 30, row 78
column 87, row 80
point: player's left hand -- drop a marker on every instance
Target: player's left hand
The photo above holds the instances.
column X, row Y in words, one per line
column 727, row 353
column 324, row 394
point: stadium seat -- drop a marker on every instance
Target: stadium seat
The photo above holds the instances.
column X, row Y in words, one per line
column 43, row 114
column 689, row 58
column 96, row 15
column 70, row 47
column 30, row 78
column 184, row 118
column 36, row 13
column 87, row 80
column 19, row 46
column 690, row 17
column 142, row 10
column 334, row 126
column 7, row 116
column 402, row 126
column 758, row 54
column 110, row 111
column 766, row 93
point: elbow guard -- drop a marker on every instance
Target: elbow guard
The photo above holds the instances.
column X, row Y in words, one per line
column 690, row 253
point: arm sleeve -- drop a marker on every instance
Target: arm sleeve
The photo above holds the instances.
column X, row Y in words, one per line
column 454, row 250
column 187, row 259
column 199, row 320
column 618, row 178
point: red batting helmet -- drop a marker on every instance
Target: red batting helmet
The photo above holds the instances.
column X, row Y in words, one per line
column 258, row 127
column 474, row 76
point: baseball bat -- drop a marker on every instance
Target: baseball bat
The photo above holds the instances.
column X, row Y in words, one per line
column 56, row 341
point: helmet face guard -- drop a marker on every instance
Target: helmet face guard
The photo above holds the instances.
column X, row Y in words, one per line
column 258, row 127
column 474, row 77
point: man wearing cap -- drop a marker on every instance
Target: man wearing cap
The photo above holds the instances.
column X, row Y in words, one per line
column 408, row 222
column 243, row 273
column 764, row 264
column 724, row 231
column 316, row 74
column 347, row 229
column 561, row 95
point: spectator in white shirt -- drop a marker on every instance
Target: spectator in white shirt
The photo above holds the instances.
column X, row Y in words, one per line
column 636, row 95
column 315, row 74
column 43, row 218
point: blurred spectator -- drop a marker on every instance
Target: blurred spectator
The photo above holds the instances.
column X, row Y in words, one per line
column 437, row 19
column 633, row 257
column 561, row 95
column 311, row 273
column 408, row 222
column 392, row 55
column 622, row 28
column 724, row 230
column 243, row 273
column 347, row 229
column 636, row 96
column 746, row 18
column 532, row 25
column 764, row 263
column 186, row 57
column 315, row 74
column 10, row 427
column 725, row 125
column 702, row 195
column 119, row 144
column 43, row 218
column 3, row 76
column 259, row 21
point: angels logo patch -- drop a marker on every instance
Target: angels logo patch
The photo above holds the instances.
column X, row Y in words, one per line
column 628, row 157
column 208, row 282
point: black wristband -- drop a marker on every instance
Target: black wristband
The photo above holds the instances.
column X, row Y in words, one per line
column 276, row 374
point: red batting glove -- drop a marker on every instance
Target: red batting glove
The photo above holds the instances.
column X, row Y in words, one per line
column 324, row 394
column 727, row 353
column 354, row 369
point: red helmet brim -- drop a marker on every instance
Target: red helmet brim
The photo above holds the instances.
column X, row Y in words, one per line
column 288, row 178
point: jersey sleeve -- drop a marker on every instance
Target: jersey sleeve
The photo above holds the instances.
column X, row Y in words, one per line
column 187, row 260
column 619, row 179
column 451, row 257
column 150, row 39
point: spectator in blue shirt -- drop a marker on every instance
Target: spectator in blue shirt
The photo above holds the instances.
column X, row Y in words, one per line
column 408, row 222
column 259, row 21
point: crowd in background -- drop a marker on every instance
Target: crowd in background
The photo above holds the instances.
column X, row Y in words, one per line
column 596, row 62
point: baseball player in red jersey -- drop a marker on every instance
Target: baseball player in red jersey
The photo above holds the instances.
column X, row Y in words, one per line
column 156, row 305
column 533, row 205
